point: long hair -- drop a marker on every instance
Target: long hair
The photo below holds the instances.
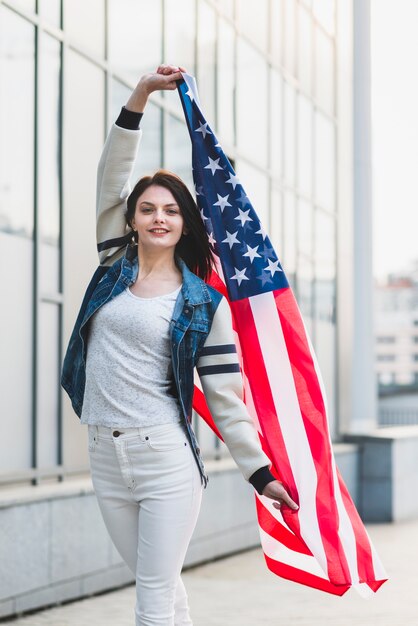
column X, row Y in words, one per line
column 194, row 248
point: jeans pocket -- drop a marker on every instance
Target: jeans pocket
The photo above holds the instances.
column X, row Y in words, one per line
column 92, row 435
column 166, row 438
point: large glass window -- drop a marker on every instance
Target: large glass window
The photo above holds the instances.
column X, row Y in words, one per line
column 226, row 83
column 324, row 11
column 179, row 36
column 289, row 229
column 289, row 35
column 252, row 19
column 16, row 124
column 84, row 22
column 16, row 230
column 305, row 228
column 324, row 162
column 255, row 183
column 135, row 47
column 324, row 71
column 304, row 145
column 289, row 134
column 276, row 31
column 251, row 83
column 276, row 221
column 206, row 60
column 51, row 11
column 305, row 49
column 276, row 121
column 49, row 162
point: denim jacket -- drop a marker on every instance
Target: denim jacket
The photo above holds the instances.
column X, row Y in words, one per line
column 189, row 327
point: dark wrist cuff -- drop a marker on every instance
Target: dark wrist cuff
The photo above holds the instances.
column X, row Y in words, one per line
column 129, row 119
column 261, row 478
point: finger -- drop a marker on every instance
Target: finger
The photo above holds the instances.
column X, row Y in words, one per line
column 289, row 502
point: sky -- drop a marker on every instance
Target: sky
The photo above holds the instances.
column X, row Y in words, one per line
column 394, row 49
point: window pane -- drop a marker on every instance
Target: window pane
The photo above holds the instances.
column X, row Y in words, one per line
column 226, row 6
column 48, row 162
column 290, row 237
column 305, row 50
column 305, row 291
column 179, row 36
column 276, row 222
column 84, row 22
column 251, row 64
column 48, row 384
column 276, row 133
column 289, row 35
column 325, row 255
column 178, row 152
column 304, row 145
column 324, row 162
column 289, row 134
column 16, row 124
column 252, row 19
column 305, row 228
column 324, row 11
column 133, row 48
column 51, row 11
column 226, row 81
column 16, row 339
column 276, row 31
column 206, row 58
column 324, row 67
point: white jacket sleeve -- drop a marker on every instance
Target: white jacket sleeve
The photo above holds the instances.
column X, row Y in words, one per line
column 222, row 385
column 113, row 188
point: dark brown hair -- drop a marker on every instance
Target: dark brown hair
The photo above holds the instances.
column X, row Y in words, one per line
column 194, row 248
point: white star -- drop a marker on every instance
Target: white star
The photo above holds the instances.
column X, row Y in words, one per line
column 189, row 93
column 233, row 180
column 222, row 202
column 243, row 216
column 261, row 232
column 212, row 239
column 231, row 238
column 203, row 215
column 272, row 267
column 251, row 252
column 213, row 165
column 239, row 275
column 203, row 128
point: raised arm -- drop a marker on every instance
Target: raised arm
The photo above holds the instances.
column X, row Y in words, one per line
column 117, row 162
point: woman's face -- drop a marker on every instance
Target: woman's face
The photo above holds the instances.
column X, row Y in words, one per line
column 158, row 219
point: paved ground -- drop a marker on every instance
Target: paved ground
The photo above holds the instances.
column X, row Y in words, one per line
column 241, row 591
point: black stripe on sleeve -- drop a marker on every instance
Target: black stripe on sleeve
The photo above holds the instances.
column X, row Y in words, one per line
column 261, row 478
column 229, row 348
column 218, row 369
column 114, row 243
column 129, row 119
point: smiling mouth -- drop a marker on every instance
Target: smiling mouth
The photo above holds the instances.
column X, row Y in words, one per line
column 158, row 231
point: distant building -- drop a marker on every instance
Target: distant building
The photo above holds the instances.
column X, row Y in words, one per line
column 397, row 333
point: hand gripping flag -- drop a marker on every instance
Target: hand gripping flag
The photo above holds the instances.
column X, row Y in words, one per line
column 324, row 544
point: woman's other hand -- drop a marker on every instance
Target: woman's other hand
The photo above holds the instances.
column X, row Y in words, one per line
column 276, row 491
column 164, row 77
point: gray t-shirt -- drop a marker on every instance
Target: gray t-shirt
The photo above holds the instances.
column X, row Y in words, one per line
column 128, row 368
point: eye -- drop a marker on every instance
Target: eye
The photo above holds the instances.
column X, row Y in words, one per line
column 146, row 209
column 172, row 211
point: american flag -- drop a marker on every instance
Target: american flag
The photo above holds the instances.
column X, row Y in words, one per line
column 324, row 544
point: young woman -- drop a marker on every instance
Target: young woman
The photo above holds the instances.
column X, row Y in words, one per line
column 146, row 321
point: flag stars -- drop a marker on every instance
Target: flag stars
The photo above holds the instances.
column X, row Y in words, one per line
column 203, row 216
column 268, row 253
column 203, row 128
column 199, row 190
column 261, row 232
column 189, row 93
column 213, row 165
column 243, row 200
column 222, row 201
column 231, row 238
column 212, row 239
column 239, row 275
column 233, row 180
column 272, row 267
column 243, row 216
column 251, row 252
column 265, row 278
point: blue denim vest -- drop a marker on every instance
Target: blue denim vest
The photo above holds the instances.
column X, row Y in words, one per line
column 189, row 327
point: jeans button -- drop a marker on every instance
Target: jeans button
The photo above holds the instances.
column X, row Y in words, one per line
column 116, row 433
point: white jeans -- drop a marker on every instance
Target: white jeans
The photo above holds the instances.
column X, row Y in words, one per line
column 149, row 490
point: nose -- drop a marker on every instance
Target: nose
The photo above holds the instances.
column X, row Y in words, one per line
column 159, row 215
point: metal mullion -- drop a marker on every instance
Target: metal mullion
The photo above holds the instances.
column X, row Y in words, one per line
column 60, row 451
column 35, row 268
